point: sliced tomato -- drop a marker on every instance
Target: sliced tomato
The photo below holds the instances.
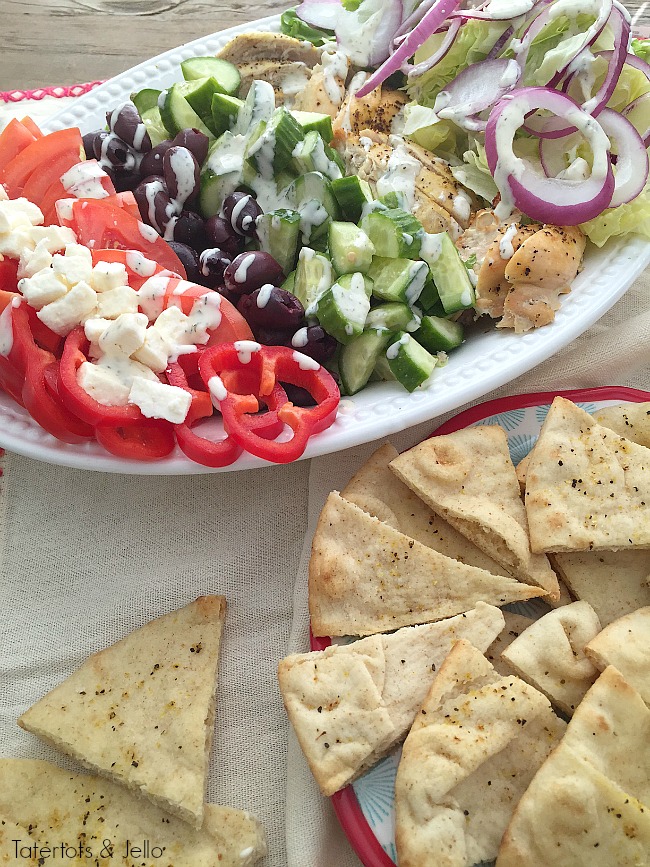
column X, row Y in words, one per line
column 57, row 191
column 14, row 138
column 127, row 202
column 32, row 126
column 8, row 280
column 129, row 260
column 39, row 156
column 102, row 225
column 39, row 184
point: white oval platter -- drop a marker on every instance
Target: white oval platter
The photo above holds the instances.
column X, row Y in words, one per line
column 484, row 362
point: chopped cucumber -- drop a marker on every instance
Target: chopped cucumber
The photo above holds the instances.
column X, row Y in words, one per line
column 222, row 173
column 382, row 369
column 289, row 283
column 350, row 281
column 439, row 335
column 313, row 120
column 311, row 194
column 358, row 358
column 394, row 232
column 145, row 99
column 343, row 308
column 350, row 248
column 395, row 199
column 225, row 73
column 393, row 317
column 199, row 94
column 429, row 296
column 278, row 233
column 410, row 362
column 313, row 155
column 398, row 279
column 352, row 194
column 313, row 277
column 224, row 110
column 272, row 146
column 258, row 105
column 176, row 112
column 155, row 127
column 448, row 271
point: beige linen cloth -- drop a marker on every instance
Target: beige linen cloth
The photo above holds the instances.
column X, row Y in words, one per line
column 86, row 557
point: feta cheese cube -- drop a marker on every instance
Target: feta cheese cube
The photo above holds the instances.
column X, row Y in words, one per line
column 205, row 315
column 114, row 302
column 154, row 352
column 102, row 384
column 108, row 275
column 33, row 261
column 126, row 369
column 70, row 310
column 17, row 240
column 54, row 238
column 157, row 400
column 172, row 324
column 124, row 335
column 43, row 288
column 15, row 213
column 75, row 265
column 94, row 328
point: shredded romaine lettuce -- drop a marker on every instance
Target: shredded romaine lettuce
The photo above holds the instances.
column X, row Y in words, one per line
column 291, row 25
column 423, row 126
column 631, row 217
column 641, row 47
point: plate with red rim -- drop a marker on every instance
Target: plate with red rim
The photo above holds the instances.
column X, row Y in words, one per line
column 489, row 359
column 365, row 807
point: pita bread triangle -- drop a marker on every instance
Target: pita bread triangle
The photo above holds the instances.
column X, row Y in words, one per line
column 365, row 577
column 52, row 806
column 587, row 488
column 589, row 802
column 468, row 478
column 141, row 712
column 377, row 490
column 470, row 755
column 625, row 643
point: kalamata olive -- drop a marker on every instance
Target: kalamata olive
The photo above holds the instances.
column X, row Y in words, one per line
column 297, row 395
column 152, row 162
column 230, row 296
column 213, row 262
column 271, row 336
column 125, row 122
column 195, row 141
column 123, row 180
column 314, row 342
column 100, row 137
column 156, row 207
column 220, row 233
column 181, row 173
column 190, row 260
column 241, row 210
column 190, row 230
column 88, row 142
column 271, row 307
column 114, row 152
column 248, row 271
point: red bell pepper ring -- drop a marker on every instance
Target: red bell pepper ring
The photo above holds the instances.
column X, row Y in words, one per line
column 39, row 395
column 149, row 439
column 272, row 365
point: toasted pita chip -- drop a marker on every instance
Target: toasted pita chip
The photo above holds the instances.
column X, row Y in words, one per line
column 550, row 654
column 521, row 470
column 587, row 488
column 625, row 644
column 365, row 577
column 142, row 711
column 630, row 420
column 17, row 845
column 58, row 806
column 589, row 803
column 378, row 491
column 471, row 753
column 468, row 478
column 572, row 815
column 350, row 704
column 515, row 625
column 612, row 582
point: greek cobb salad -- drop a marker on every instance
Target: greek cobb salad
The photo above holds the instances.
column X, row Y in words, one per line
column 312, row 210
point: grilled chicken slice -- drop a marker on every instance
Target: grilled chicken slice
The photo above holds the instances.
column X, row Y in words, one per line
column 325, row 90
column 285, row 62
column 439, row 202
column 376, row 111
column 492, row 287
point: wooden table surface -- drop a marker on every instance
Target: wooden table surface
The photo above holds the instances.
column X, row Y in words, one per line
column 48, row 42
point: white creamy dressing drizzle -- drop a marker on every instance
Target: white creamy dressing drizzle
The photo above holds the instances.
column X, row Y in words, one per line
column 295, row 81
column 304, row 362
column 245, row 350
column 335, row 70
column 205, row 316
column 84, row 180
column 578, row 170
column 217, row 389
column 509, row 8
column 148, row 232
column 182, row 165
column 241, row 274
column 236, row 211
column 264, row 295
column 357, row 81
column 6, row 328
column 393, row 349
column 152, row 293
column 300, row 338
column 417, row 278
column 139, row 264
column 353, row 302
column 431, row 247
column 401, row 173
column 506, row 250
column 462, row 206
column 229, row 155
column 312, row 213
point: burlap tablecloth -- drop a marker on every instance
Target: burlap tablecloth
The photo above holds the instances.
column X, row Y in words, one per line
column 86, row 557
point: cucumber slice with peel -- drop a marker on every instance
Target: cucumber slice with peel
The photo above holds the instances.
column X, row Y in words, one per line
column 278, row 233
column 358, row 358
column 394, row 232
column 352, row 194
column 350, row 248
column 273, row 143
column 410, row 362
column 312, row 120
column 176, row 112
column 398, row 279
column 224, row 110
column 258, row 105
column 393, row 317
column 439, row 335
column 343, row 308
column 448, row 271
column 225, row 73
column 313, row 277
column 145, row 99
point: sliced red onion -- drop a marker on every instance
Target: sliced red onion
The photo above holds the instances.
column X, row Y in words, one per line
column 494, row 11
column 561, row 202
column 500, row 44
column 632, row 157
column 475, row 89
column 367, row 43
column 629, row 109
column 638, row 63
column 436, row 57
column 414, row 18
column 320, row 13
column 417, row 37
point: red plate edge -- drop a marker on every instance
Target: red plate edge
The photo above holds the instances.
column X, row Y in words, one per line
column 345, row 803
